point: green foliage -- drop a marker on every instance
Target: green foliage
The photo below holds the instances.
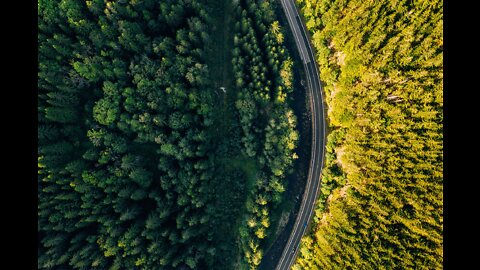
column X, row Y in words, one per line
column 381, row 199
column 133, row 173
column 103, row 113
column 263, row 78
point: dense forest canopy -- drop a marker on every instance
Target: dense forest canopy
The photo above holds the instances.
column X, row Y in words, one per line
column 143, row 163
column 381, row 202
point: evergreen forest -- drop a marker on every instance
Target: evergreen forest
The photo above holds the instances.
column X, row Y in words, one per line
column 167, row 132
column 161, row 145
column 381, row 201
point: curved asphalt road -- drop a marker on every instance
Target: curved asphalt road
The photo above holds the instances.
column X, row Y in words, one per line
column 318, row 135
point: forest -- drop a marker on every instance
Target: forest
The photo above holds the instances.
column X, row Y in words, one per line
column 381, row 201
column 143, row 163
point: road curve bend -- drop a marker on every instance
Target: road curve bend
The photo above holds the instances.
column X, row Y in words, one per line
column 318, row 135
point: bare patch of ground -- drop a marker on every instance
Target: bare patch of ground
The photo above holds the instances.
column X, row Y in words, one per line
column 282, row 223
column 340, row 58
column 343, row 190
column 331, row 96
column 340, row 151
column 338, row 55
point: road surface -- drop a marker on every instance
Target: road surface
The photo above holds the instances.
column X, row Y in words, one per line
column 318, row 135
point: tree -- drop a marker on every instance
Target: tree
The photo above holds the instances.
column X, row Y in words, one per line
column 106, row 111
column 61, row 114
